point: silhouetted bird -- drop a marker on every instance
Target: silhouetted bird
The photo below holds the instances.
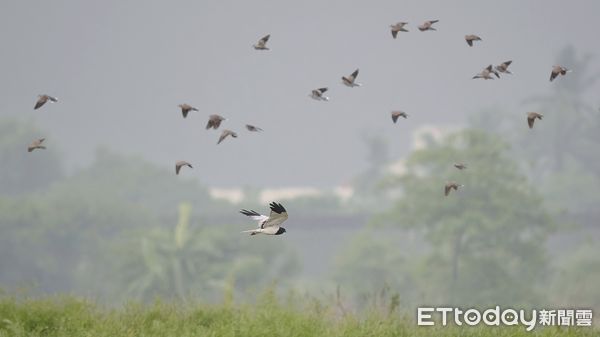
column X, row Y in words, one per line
column 486, row 73
column 253, row 128
column 36, row 144
column 503, row 67
column 262, row 43
column 180, row 164
column 396, row 114
column 350, row 80
column 317, row 94
column 225, row 134
column 42, row 99
column 531, row 116
column 558, row 70
column 427, row 25
column 451, row 186
column 398, row 27
column 186, row 108
column 214, row 121
column 470, row 38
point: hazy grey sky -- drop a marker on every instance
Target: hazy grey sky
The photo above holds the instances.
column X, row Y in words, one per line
column 120, row 68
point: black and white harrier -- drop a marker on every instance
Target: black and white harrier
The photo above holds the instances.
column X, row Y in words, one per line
column 270, row 225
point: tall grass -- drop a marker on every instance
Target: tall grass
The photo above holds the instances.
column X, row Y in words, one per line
column 269, row 316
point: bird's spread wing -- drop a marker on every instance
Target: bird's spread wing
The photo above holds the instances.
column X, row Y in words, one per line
column 354, row 75
column 322, row 90
column 277, row 216
column 265, row 39
column 530, row 121
column 41, row 101
column 255, row 216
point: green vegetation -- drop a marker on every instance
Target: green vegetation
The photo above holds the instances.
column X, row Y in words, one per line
column 475, row 252
column 71, row 317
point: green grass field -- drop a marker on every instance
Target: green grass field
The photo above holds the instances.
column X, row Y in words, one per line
column 69, row 316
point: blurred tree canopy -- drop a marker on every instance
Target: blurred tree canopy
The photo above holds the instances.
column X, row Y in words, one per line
column 485, row 243
column 190, row 261
column 107, row 229
column 560, row 155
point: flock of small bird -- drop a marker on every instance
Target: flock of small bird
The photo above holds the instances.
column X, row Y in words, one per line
column 271, row 225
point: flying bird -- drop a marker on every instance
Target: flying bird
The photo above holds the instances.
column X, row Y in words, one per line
column 186, row 108
column 42, row 99
column 262, row 43
column 460, row 166
column 225, row 134
column 397, row 114
column 36, row 144
column 531, row 116
column 180, row 164
column 349, row 81
column 270, row 225
column 486, row 73
column 558, row 70
column 214, row 121
column 253, row 128
column 503, row 67
column 450, row 186
column 398, row 27
column 427, row 25
column 317, row 94
column 470, row 38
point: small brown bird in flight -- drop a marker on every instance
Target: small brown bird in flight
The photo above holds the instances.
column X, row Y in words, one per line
column 503, row 67
column 460, row 166
column 470, row 38
column 180, row 164
column 531, row 116
column 186, row 108
column 427, row 25
column 397, row 114
column 486, row 73
column 253, row 128
column 398, row 27
column 225, row 134
column 558, row 70
column 317, row 94
column 450, row 186
column 349, row 81
column 36, row 144
column 262, row 43
column 42, row 99
column 214, row 121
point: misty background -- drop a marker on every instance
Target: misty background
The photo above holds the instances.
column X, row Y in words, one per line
column 102, row 214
